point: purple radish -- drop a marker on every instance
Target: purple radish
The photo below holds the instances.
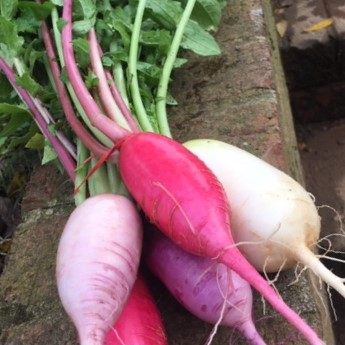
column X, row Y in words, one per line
column 209, row 290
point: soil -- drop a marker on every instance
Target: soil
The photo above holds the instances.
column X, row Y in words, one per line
column 315, row 74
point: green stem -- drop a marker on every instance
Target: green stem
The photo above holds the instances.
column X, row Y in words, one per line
column 119, row 78
column 115, row 181
column 98, row 182
column 162, row 90
column 139, row 107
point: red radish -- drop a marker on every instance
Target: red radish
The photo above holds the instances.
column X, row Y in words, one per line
column 209, row 290
column 140, row 322
column 269, row 208
column 97, row 263
column 184, row 199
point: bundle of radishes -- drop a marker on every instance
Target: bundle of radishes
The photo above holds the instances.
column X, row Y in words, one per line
column 224, row 213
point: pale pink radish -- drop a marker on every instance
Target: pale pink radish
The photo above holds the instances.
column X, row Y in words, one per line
column 186, row 201
column 97, row 263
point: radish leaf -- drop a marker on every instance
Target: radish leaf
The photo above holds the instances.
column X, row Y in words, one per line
column 199, row 40
column 8, row 8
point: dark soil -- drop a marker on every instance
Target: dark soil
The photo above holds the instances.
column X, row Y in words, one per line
column 323, row 159
column 315, row 74
column 15, row 170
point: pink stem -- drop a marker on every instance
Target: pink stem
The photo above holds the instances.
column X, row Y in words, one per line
column 236, row 261
column 121, row 104
column 105, row 95
column 81, row 132
column 118, row 98
column 108, row 81
column 64, row 156
column 108, row 127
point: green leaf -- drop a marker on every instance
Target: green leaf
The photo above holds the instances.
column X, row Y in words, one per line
column 89, row 8
column 2, row 142
column 165, row 12
column 32, row 55
column 81, row 47
column 18, row 118
column 199, row 41
column 179, row 62
column 52, row 128
column 85, row 16
column 29, row 84
column 119, row 55
column 125, row 34
column 91, row 80
column 61, row 23
column 64, row 75
column 119, row 15
column 8, row 8
column 207, row 13
column 27, row 23
column 36, row 142
column 6, row 108
column 10, row 42
column 170, row 100
column 40, row 11
column 159, row 38
column 49, row 153
column 82, row 27
column 82, row 44
column 20, row 140
column 150, row 70
column 6, row 89
column 107, row 61
column 57, row 2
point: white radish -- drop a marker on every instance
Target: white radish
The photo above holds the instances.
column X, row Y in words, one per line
column 97, row 262
column 274, row 219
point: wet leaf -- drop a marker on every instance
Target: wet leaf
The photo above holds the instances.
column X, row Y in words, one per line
column 17, row 183
column 320, row 25
column 36, row 142
column 5, row 246
column 282, row 27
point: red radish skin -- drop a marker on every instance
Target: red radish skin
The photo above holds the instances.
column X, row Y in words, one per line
column 184, row 199
column 203, row 286
column 97, row 262
column 140, row 322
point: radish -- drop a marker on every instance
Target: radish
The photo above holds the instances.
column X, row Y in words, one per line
column 140, row 322
column 97, row 262
column 185, row 200
column 269, row 209
column 209, row 290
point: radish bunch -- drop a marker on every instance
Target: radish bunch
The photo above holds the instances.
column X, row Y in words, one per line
column 185, row 200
